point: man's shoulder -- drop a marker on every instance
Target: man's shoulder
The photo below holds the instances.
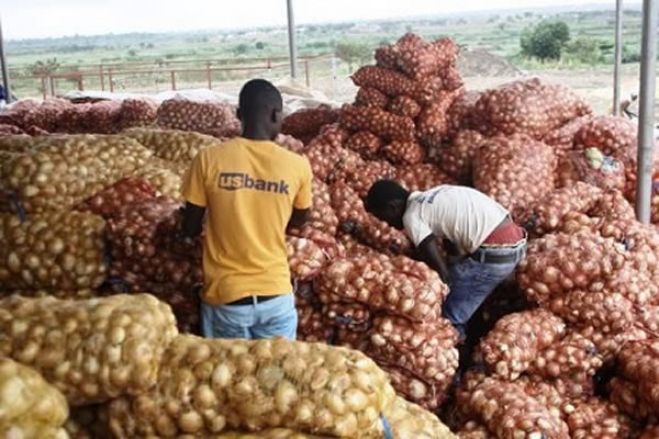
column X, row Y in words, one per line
column 295, row 159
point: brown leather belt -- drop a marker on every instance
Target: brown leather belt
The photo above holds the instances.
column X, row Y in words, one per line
column 251, row 300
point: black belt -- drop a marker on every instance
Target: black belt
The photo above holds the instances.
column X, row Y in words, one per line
column 251, row 300
column 486, row 255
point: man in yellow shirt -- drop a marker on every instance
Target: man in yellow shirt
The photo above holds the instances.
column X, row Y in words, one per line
column 251, row 190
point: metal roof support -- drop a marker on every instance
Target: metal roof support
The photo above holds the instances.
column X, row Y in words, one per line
column 292, row 45
column 5, row 71
column 617, row 59
column 646, row 138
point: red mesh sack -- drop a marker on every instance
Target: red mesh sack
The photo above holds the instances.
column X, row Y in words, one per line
column 306, row 123
column 110, row 200
column 558, row 264
column 214, row 118
column 395, row 285
column 421, row 177
column 418, row 58
column 6, row 129
column 515, row 171
column 404, row 152
column 510, row 348
column 387, row 81
column 426, row 350
column 363, row 176
column 433, row 123
column 365, row 143
column 528, row 106
column 326, row 153
column 394, row 84
column 143, row 239
column 562, row 138
column 638, row 362
column 462, row 113
column 353, row 316
column 290, row 143
column 305, row 258
column 322, row 217
column 404, row 106
column 414, row 388
column 597, row 418
column 549, row 213
column 103, row 117
column 608, row 312
column 379, row 122
column 570, row 356
column 456, row 158
column 624, row 394
column 452, row 79
column 311, row 325
column 508, row 411
column 137, row 113
column 614, row 136
column 371, row 97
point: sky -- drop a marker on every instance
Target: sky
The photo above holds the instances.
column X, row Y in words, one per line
column 53, row 18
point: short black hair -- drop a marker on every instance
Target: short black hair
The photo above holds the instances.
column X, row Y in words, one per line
column 382, row 192
column 259, row 97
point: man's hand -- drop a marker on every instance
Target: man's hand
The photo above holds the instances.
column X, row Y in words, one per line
column 433, row 257
column 298, row 218
column 192, row 221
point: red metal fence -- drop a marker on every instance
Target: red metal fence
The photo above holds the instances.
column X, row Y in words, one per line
column 170, row 75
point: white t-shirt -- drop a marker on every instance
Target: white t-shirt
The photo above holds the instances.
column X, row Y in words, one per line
column 460, row 214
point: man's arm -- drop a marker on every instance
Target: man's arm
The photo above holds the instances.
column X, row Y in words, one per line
column 298, row 217
column 433, row 257
column 193, row 220
column 303, row 199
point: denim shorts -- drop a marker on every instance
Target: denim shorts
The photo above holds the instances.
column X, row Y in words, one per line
column 272, row 318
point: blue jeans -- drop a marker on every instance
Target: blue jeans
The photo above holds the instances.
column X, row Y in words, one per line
column 272, row 318
column 473, row 281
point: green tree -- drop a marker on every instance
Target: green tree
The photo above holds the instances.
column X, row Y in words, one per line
column 260, row 45
column 44, row 68
column 132, row 53
column 630, row 54
column 546, row 40
column 241, row 49
column 583, row 50
column 351, row 52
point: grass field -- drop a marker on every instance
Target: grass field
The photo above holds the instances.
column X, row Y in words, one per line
column 497, row 33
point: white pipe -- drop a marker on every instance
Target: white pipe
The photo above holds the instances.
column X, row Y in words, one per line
column 618, row 59
column 646, row 98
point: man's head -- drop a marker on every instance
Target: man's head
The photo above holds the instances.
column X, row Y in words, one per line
column 387, row 200
column 260, row 109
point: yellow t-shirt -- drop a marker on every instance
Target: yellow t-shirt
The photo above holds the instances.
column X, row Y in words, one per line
column 249, row 188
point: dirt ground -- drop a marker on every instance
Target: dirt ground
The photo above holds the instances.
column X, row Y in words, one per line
column 596, row 85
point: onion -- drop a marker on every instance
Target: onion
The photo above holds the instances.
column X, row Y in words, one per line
column 528, row 107
column 31, row 407
column 510, row 348
column 58, row 250
column 174, row 145
column 213, row 118
column 306, row 123
column 516, row 171
column 61, row 171
column 354, row 219
column 407, row 280
column 79, row 361
column 126, row 191
column 273, row 393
